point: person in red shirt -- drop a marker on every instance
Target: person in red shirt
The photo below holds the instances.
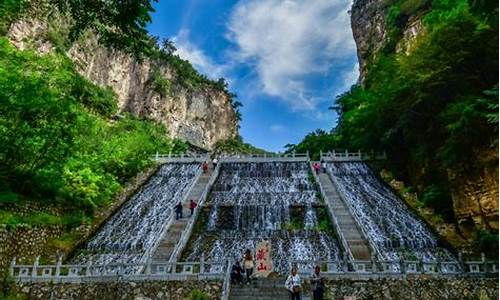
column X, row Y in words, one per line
column 316, row 167
column 192, row 206
column 205, row 167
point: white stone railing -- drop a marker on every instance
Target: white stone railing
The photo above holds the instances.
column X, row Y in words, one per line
column 220, row 270
column 331, row 209
column 266, row 157
column 381, row 268
column 98, row 273
column 350, row 156
column 180, row 158
column 186, row 233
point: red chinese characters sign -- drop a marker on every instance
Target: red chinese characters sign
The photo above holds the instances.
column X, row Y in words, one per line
column 263, row 262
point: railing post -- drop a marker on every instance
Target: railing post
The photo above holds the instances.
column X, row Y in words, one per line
column 148, row 265
column 461, row 261
column 483, row 259
column 58, row 265
column 156, row 157
column 12, row 265
column 345, row 266
column 35, row 266
column 320, row 154
column 88, row 271
column 402, row 266
column 359, row 153
column 202, row 264
column 346, row 153
column 374, row 263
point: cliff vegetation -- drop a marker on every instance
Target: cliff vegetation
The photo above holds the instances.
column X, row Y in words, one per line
column 433, row 107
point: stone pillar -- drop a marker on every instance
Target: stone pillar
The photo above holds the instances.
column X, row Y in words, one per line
column 148, row 265
column 402, row 266
column 35, row 266
column 202, row 264
column 12, row 265
column 374, row 263
column 88, row 270
column 345, row 265
column 58, row 265
column 461, row 261
column 483, row 259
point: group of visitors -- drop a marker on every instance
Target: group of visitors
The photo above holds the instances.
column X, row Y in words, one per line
column 237, row 271
column 204, row 165
column 178, row 209
column 293, row 282
column 192, row 204
column 319, row 166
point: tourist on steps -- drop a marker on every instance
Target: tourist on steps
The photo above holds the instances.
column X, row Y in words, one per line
column 323, row 166
column 293, row 285
column 204, row 166
column 316, row 167
column 236, row 273
column 214, row 161
column 318, row 284
column 192, row 206
column 248, row 264
column 178, row 211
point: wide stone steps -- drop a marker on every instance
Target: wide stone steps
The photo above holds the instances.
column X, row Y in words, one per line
column 262, row 289
column 357, row 243
column 174, row 232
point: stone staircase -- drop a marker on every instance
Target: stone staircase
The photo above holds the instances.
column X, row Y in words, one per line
column 357, row 243
column 262, row 289
column 174, row 232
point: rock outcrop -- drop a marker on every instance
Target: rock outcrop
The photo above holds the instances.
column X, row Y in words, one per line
column 201, row 115
column 369, row 31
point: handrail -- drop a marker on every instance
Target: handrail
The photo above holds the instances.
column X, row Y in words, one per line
column 226, row 286
column 343, row 240
column 186, row 234
column 264, row 158
column 351, row 156
column 147, row 255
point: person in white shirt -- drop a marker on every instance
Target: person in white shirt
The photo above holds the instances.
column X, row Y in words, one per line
column 294, row 285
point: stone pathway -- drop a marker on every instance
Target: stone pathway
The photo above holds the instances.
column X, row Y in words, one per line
column 262, row 289
column 174, row 232
column 357, row 243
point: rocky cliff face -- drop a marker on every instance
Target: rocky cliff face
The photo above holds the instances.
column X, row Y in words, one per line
column 368, row 23
column 474, row 194
column 368, row 28
column 201, row 116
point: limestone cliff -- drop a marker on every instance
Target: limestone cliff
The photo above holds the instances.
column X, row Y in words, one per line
column 369, row 31
column 474, row 192
column 202, row 115
column 368, row 23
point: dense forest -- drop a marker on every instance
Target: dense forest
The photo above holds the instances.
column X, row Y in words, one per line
column 62, row 140
column 434, row 108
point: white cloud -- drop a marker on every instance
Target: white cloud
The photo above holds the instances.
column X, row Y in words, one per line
column 276, row 128
column 186, row 50
column 288, row 40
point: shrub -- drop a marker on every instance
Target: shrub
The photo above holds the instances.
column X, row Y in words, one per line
column 199, row 295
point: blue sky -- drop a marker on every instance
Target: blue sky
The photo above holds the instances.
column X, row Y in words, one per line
column 285, row 59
